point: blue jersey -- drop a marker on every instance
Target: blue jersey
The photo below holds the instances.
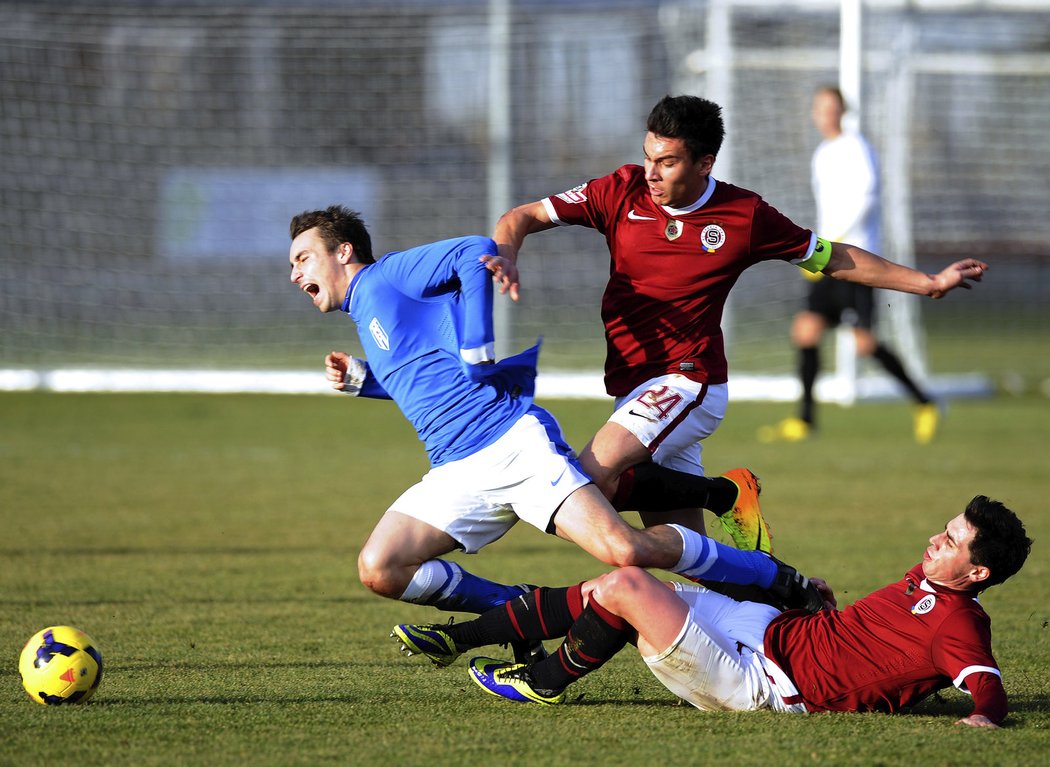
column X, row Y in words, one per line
column 416, row 312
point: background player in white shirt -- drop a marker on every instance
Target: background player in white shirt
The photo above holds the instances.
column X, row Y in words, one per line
column 845, row 178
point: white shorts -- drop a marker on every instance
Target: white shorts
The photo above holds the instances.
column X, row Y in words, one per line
column 525, row 474
column 671, row 415
column 716, row 662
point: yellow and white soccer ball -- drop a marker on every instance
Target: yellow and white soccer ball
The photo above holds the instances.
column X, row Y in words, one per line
column 60, row 664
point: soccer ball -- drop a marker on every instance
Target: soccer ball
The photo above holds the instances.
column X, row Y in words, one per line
column 60, row 664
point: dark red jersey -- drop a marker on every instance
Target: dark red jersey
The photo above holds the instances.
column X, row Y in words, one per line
column 670, row 275
column 890, row 650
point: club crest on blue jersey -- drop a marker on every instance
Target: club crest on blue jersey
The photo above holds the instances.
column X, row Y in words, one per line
column 379, row 335
column 712, row 237
column 924, row 605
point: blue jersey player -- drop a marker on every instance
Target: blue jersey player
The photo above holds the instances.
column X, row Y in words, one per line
column 424, row 318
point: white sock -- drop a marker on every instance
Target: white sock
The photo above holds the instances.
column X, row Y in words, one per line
column 434, row 578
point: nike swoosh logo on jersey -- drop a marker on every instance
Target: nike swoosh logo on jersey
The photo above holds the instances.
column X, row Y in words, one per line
column 635, row 217
column 646, row 416
column 558, row 479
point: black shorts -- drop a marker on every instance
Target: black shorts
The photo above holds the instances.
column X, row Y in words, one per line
column 838, row 301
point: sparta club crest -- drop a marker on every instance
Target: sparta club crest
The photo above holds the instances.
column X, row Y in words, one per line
column 924, row 605
column 712, row 237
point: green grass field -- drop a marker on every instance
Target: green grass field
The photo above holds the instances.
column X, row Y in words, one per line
column 208, row 544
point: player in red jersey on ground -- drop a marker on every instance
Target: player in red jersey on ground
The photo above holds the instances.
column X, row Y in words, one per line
column 678, row 240
column 887, row 651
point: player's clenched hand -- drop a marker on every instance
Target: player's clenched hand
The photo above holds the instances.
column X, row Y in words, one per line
column 345, row 373
column 336, row 366
column 957, row 276
column 504, row 273
column 830, row 603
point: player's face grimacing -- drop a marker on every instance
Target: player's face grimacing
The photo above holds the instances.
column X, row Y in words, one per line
column 946, row 560
column 675, row 179
column 318, row 271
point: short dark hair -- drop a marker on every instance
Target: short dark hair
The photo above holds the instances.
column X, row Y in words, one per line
column 999, row 543
column 336, row 224
column 698, row 122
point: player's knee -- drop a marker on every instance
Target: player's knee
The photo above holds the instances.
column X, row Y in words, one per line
column 621, row 580
column 615, row 589
column 378, row 575
column 806, row 330
column 865, row 341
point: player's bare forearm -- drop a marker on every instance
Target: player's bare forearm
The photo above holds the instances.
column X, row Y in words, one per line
column 977, row 720
column 517, row 224
column 510, row 232
column 854, row 264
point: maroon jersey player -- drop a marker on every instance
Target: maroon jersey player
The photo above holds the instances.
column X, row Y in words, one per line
column 671, row 274
column 886, row 652
column 678, row 240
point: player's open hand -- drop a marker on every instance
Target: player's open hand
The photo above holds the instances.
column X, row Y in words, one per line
column 976, row 720
column 957, row 276
column 336, row 366
column 504, row 274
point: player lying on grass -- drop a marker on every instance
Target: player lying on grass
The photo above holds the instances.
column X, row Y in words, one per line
column 424, row 319
column 885, row 652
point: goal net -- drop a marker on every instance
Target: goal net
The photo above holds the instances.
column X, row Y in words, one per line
column 152, row 153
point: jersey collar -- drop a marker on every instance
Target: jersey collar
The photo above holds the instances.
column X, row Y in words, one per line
column 936, row 588
column 349, row 297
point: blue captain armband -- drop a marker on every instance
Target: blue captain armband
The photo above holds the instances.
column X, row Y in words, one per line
column 819, row 258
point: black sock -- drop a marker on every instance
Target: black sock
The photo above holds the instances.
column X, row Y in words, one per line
column 541, row 614
column 891, row 362
column 651, row 487
column 596, row 636
column 808, row 367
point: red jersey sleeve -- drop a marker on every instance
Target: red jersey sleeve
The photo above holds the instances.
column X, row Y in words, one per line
column 963, row 653
column 989, row 696
column 774, row 235
column 592, row 203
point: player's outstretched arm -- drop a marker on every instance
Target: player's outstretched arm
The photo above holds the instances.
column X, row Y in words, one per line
column 957, row 274
column 510, row 232
column 854, row 264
